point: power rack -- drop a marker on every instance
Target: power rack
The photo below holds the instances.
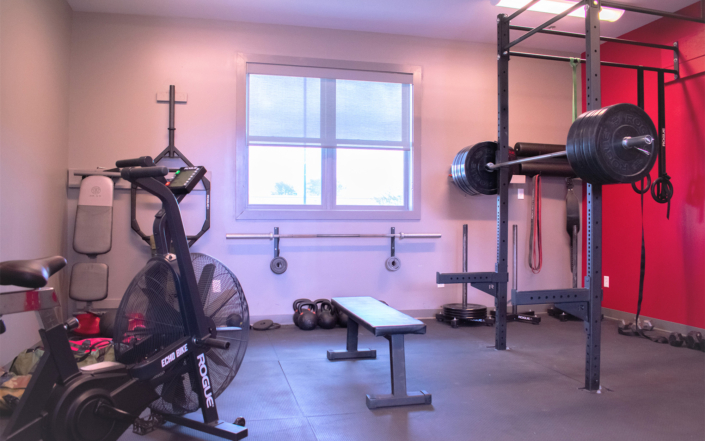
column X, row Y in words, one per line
column 585, row 303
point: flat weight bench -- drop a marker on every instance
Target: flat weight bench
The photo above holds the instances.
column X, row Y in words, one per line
column 387, row 322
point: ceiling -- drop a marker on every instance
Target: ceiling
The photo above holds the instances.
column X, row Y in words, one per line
column 465, row 20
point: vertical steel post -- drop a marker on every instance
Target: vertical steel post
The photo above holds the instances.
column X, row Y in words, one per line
column 394, row 245
column 515, row 272
column 503, row 184
column 465, row 264
column 172, row 129
column 662, row 124
column 397, row 361
column 276, row 242
column 593, row 278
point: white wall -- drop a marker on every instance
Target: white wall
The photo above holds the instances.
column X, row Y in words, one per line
column 34, row 91
column 119, row 63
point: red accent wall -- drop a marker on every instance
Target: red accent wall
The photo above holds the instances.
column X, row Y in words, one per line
column 674, row 288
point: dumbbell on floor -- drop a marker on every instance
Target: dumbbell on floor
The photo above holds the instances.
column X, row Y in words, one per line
column 694, row 340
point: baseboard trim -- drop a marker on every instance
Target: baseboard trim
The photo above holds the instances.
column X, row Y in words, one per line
column 659, row 325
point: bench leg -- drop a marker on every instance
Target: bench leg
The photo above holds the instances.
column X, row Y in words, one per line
column 351, row 348
column 399, row 396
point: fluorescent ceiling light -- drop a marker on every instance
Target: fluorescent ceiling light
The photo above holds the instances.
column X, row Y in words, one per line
column 558, row 6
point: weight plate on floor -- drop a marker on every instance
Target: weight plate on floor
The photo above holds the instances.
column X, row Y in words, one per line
column 393, row 263
column 278, row 265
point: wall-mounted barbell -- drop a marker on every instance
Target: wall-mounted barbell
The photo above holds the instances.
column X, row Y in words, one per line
column 279, row 265
column 611, row 145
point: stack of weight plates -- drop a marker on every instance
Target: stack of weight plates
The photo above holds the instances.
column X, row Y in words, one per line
column 595, row 149
column 471, row 311
column 469, row 171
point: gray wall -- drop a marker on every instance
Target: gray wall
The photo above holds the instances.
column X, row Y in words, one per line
column 119, row 63
column 34, row 91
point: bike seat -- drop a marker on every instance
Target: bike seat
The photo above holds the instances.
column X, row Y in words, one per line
column 30, row 273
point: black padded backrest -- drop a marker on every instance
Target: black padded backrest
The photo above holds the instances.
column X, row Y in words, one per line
column 94, row 216
column 377, row 317
column 89, row 282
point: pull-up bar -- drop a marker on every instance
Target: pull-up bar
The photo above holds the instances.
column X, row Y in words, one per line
column 609, row 39
column 604, row 63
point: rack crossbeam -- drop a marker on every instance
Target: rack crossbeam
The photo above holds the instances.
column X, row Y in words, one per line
column 451, row 278
column 541, row 297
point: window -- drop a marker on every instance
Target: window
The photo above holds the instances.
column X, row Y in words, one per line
column 322, row 139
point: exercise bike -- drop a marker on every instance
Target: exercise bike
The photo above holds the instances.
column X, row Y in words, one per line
column 179, row 336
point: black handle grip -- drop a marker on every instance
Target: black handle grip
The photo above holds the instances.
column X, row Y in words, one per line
column 142, row 161
column 132, row 174
column 216, row 343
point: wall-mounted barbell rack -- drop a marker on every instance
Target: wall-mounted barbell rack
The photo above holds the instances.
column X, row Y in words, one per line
column 279, row 265
column 585, row 303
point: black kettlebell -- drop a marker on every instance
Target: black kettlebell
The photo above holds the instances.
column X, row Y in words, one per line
column 307, row 317
column 342, row 318
column 107, row 323
column 296, row 304
column 234, row 320
column 326, row 315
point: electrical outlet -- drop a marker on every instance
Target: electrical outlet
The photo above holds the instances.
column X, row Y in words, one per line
column 607, row 281
column 520, row 193
column 441, row 285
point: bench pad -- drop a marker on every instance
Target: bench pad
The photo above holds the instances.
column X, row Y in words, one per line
column 377, row 317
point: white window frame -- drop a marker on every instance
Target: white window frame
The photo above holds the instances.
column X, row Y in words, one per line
column 412, row 179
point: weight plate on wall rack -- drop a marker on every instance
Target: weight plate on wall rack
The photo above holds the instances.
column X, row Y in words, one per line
column 278, row 265
column 393, row 263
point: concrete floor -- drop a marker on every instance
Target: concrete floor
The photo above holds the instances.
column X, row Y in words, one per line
column 288, row 390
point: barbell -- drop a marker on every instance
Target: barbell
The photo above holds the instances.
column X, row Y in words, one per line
column 611, row 145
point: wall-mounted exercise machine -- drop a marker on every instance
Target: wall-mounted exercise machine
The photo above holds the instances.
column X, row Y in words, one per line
column 279, row 265
column 596, row 143
column 171, row 152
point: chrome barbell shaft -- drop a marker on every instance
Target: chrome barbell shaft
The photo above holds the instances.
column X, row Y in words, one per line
column 330, row 236
column 629, row 142
column 492, row 166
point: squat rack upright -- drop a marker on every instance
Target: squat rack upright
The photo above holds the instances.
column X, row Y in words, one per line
column 585, row 303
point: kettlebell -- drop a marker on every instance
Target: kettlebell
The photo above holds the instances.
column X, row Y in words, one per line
column 107, row 323
column 326, row 316
column 234, row 320
column 342, row 319
column 307, row 317
column 296, row 304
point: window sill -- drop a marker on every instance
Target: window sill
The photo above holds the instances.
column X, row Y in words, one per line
column 293, row 214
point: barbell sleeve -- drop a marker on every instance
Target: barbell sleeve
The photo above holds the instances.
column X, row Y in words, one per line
column 637, row 142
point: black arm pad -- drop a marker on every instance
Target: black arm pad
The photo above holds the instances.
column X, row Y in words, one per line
column 142, row 161
column 131, row 174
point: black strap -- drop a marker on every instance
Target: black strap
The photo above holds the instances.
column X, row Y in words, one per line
column 630, row 328
column 634, row 329
column 640, row 103
column 662, row 188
